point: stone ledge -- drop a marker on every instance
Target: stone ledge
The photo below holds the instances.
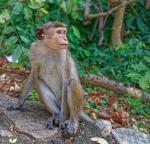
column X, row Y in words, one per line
column 32, row 120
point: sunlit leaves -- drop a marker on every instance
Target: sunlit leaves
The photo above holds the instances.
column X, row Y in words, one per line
column 10, row 41
column 18, row 51
column 28, row 13
column 134, row 76
column 24, row 39
column 43, row 10
column 76, row 31
column 144, row 82
column 63, row 6
column 51, row 1
column 17, row 8
column 8, row 30
column 35, row 4
column 4, row 16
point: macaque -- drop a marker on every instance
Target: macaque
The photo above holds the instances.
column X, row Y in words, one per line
column 54, row 76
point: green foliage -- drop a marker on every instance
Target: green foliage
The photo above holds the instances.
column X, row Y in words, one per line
column 129, row 63
column 33, row 95
column 138, row 106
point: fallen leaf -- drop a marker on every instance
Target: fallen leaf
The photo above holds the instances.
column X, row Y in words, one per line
column 99, row 140
column 121, row 117
column 11, row 88
column 3, row 76
column 93, row 116
column 17, row 87
column 12, row 141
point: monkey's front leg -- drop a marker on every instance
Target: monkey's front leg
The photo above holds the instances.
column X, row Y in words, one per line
column 48, row 98
column 24, row 95
column 53, row 121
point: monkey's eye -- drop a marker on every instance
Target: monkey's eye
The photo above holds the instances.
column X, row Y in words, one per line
column 64, row 32
column 61, row 32
column 58, row 32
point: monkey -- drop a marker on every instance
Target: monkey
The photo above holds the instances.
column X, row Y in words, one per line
column 54, row 76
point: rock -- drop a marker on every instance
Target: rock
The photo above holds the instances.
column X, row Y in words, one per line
column 5, row 133
column 130, row 136
column 28, row 121
column 104, row 126
column 29, row 127
column 31, row 123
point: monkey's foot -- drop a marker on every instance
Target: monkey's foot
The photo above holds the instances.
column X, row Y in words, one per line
column 15, row 107
column 70, row 127
column 53, row 121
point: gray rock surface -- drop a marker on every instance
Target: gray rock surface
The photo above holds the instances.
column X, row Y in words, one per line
column 29, row 126
column 130, row 136
column 104, row 126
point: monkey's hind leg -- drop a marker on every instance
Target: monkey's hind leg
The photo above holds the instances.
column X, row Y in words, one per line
column 48, row 98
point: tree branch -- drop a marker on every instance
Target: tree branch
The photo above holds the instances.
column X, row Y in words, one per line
column 102, row 14
column 116, row 87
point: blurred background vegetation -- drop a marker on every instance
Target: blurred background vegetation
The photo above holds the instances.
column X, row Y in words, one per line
column 128, row 61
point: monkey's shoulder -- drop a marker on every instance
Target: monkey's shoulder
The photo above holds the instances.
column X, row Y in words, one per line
column 36, row 50
column 36, row 46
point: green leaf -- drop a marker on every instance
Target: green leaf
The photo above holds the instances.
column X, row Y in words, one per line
column 2, row 20
column 8, row 29
column 87, row 111
column 17, row 52
column 43, row 10
column 63, row 6
column 12, row 40
column 6, row 14
column 147, row 59
column 35, row 4
column 24, row 39
column 87, row 53
column 143, row 83
column 91, row 103
column 134, row 76
column 139, row 67
column 28, row 13
column 76, row 32
column 70, row 35
column 51, row 1
column 141, row 25
column 18, row 7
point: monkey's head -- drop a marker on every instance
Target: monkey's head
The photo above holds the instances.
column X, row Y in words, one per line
column 54, row 33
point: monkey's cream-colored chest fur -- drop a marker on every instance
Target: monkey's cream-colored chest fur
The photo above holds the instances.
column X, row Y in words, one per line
column 52, row 70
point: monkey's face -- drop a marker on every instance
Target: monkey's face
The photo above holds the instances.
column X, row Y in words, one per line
column 56, row 38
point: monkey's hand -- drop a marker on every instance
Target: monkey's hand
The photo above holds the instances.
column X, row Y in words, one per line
column 70, row 127
column 53, row 121
column 15, row 107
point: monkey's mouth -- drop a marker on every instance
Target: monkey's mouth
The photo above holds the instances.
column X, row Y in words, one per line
column 63, row 44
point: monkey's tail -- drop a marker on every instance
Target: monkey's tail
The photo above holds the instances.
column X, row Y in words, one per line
column 83, row 116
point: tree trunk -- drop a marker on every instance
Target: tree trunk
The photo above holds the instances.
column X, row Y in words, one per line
column 117, row 26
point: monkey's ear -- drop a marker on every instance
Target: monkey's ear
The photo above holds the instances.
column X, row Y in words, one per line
column 39, row 33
